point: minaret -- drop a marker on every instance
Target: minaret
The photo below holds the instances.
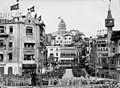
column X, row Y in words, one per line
column 109, row 23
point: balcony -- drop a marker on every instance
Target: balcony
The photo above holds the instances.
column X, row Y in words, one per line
column 112, row 66
column 29, row 62
column 118, row 66
column 105, row 66
column 29, row 48
column 102, row 41
column 102, row 49
column 3, row 47
column 4, row 35
column 98, row 65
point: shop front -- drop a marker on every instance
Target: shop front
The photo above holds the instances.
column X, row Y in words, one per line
column 28, row 69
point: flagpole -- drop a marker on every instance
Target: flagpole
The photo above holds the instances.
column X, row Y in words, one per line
column 19, row 10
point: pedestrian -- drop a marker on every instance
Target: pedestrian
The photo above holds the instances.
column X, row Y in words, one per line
column 33, row 78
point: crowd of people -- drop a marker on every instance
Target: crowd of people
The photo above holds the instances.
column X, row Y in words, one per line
column 14, row 80
column 85, row 83
column 17, row 80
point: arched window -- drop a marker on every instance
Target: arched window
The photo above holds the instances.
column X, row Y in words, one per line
column 10, row 70
column 29, row 30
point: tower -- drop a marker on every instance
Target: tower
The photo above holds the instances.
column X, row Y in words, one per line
column 61, row 27
column 109, row 23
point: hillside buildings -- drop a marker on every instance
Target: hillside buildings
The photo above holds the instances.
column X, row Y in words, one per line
column 65, row 47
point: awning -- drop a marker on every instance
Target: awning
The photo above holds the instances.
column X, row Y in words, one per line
column 29, row 66
column 66, row 59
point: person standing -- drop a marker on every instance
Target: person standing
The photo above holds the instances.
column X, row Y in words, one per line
column 33, row 78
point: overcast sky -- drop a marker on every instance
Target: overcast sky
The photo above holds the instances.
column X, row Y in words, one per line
column 86, row 16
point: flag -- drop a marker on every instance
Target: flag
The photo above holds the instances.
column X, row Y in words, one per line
column 32, row 9
column 59, row 17
column 14, row 7
column 39, row 18
column 35, row 15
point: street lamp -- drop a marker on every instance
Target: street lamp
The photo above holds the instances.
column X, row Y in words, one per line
column 40, row 61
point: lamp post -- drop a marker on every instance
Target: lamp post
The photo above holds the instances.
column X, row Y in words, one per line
column 40, row 61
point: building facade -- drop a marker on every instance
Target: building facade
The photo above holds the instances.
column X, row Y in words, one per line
column 19, row 39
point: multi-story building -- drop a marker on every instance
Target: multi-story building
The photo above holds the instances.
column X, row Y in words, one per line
column 107, row 51
column 102, row 55
column 65, row 40
column 68, row 56
column 19, row 44
column 53, row 51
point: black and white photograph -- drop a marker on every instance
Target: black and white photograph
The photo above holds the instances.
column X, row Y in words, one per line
column 60, row 44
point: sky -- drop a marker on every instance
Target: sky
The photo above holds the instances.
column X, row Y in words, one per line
column 87, row 16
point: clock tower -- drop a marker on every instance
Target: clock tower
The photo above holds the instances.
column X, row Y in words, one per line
column 109, row 23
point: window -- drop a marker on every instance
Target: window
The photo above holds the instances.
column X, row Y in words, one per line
column 67, row 54
column 51, row 54
column 10, row 56
column 29, row 57
column 10, row 70
column 11, row 29
column 56, row 49
column 29, row 45
column 29, row 21
column 103, row 45
column 104, row 60
column 10, row 44
column 1, row 57
column 29, row 30
column 99, row 60
column 98, row 45
column 65, row 38
column 118, row 61
column 56, row 41
column 1, row 29
column 56, row 54
column 72, row 54
column 62, row 54
column 51, row 49
column 1, row 43
column 113, row 50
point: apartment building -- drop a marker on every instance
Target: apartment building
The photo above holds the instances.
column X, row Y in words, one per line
column 19, row 44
